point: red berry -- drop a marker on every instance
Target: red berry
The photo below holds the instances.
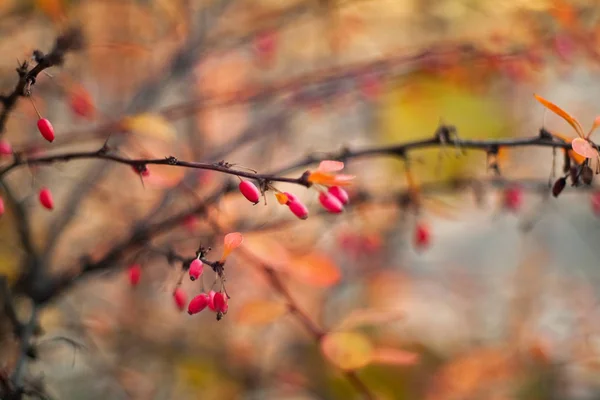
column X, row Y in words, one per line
column 46, row 200
column 81, row 103
column 298, row 209
column 339, row 194
column 596, row 203
column 250, row 191
column 211, row 300
column 134, row 273
column 220, row 302
column 331, row 203
column 5, row 148
column 190, row 223
column 422, row 236
column 180, row 298
column 198, row 304
column 1, row 206
column 196, row 269
column 46, row 129
column 513, row 198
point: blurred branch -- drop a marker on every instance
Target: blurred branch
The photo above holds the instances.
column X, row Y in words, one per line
column 18, row 376
column 315, row 331
column 71, row 40
column 9, row 307
column 22, row 220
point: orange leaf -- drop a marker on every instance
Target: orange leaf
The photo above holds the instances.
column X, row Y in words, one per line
column 314, row 269
column 231, row 242
column 584, row 148
column 330, row 166
column 282, row 198
column 260, row 312
column 574, row 156
column 327, row 179
column 347, row 350
column 562, row 113
column 391, row 356
column 369, row 316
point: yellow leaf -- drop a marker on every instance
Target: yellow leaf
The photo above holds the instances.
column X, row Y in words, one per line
column 347, row 350
column 260, row 312
column 314, row 269
column 391, row 356
column 152, row 125
column 369, row 316
column 561, row 113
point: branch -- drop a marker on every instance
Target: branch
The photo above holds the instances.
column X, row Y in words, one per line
column 9, row 307
column 445, row 136
column 69, row 41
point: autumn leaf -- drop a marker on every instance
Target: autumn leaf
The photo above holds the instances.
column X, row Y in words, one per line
column 260, row 312
column 231, row 242
column 315, row 269
column 347, row 350
column 562, row 113
column 584, row 148
column 578, row 159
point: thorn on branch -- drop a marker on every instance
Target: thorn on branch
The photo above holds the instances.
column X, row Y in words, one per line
column 544, row 134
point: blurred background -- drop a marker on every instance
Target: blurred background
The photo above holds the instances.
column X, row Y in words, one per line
column 461, row 295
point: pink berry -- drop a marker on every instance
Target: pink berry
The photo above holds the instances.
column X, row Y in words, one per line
column 290, row 197
column 1, row 206
column 339, row 193
column 135, row 273
column 331, row 203
column 220, row 302
column 45, row 197
column 250, row 191
column 298, row 209
column 196, row 269
column 198, row 304
column 422, row 236
column 5, row 148
column 596, row 203
column 46, row 129
column 180, row 298
column 513, row 198
column 211, row 300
